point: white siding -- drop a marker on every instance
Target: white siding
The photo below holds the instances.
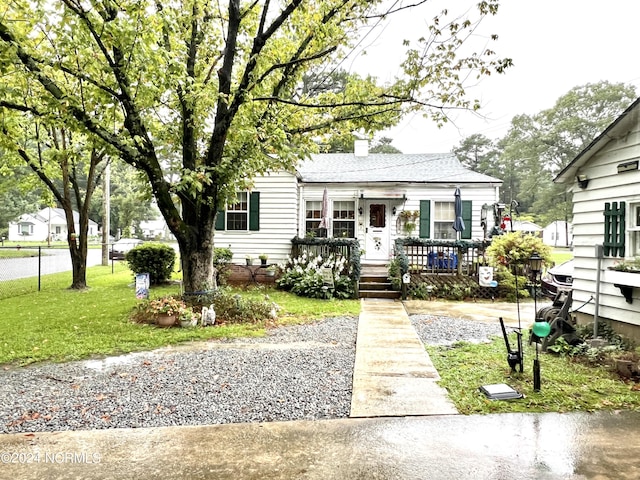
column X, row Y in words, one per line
column 278, row 221
column 605, row 185
column 413, row 193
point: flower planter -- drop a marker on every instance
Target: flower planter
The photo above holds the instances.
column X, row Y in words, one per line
column 189, row 323
column 165, row 321
column 625, row 281
column 622, row 278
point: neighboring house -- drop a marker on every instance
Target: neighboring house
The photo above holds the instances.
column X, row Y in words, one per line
column 155, row 229
column 37, row 226
column 604, row 178
column 558, row 234
column 524, row 226
column 366, row 195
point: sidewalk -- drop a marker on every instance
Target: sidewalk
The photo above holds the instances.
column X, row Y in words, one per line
column 393, row 374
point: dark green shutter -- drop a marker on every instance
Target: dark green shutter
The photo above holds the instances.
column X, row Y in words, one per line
column 254, row 211
column 425, row 218
column 466, row 216
column 614, row 229
column 220, row 220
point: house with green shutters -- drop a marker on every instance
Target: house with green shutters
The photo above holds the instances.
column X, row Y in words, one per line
column 604, row 179
column 374, row 198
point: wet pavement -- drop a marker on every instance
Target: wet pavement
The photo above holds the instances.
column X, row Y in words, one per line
column 397, row 445
column 507, row 446
column 393, row 374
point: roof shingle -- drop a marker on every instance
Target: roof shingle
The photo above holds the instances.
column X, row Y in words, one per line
column 412, row 168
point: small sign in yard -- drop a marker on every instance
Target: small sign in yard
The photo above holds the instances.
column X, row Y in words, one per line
column 142, row 286
column 327, row 277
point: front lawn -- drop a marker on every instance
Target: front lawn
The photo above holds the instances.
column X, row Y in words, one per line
column 566, row 385
column 59, row 324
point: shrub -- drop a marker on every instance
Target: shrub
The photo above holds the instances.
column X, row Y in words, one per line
column 510, row 253
column 303, row 276
column 222, row 257
column 156, row 259
column 514, row 248
column 233, row 308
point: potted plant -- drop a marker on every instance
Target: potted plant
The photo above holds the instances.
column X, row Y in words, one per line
column 409, row 228
column 188, row 318
column 164, row 310
column 271, row 271
column 249, row 259
column 263, row 259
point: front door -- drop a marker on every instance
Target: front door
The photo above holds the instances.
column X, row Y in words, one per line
column 377, row 230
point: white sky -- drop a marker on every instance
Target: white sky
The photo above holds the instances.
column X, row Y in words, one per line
column 555, row 45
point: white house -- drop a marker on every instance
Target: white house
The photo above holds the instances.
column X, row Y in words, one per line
column 366, row 195
column 604, row 179
column 558, row 234
column 524, row 226
column 48, row 221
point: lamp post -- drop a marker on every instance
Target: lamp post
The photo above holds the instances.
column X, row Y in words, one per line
column 540, row 328
column 535, row 266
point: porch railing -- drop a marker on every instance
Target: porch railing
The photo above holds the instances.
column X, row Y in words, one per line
column 347, row 248
column 440, row 257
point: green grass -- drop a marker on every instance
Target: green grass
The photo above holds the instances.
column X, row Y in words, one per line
column 561, row 255
column 58, row 324
column 566, row 385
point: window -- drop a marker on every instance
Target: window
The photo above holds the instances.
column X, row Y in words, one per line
column 344, row 219
column 443, row 217
column 634, row 230
column 237, row 214
column 614, row 228
column 242, row 215
column 313, row 213
column 25, row 228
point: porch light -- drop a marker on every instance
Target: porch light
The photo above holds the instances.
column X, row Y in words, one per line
column 535, row 264
column 583, row 181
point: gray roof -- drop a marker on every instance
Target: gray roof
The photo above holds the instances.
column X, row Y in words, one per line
column 390, row 168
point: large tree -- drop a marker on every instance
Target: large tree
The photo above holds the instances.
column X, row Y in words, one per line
column 537, row 147
column 201, row 96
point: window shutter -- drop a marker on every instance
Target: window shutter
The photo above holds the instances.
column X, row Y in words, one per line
column 614, row 229
column 254, row 211
column 466, row 216
column 220, row 220
column 425, row 218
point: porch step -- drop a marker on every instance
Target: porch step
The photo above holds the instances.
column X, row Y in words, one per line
column 379, row 294
column 374, row 283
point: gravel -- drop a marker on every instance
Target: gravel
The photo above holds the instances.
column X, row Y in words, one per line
column 437, row 330
column 299, row 372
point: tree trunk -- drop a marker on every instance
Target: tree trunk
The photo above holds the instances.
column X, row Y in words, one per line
column 78, row 262
column 196, row 255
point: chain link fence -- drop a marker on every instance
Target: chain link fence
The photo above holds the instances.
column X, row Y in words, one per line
column 23, row 269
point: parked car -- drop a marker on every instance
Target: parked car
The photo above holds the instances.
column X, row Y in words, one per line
column 558, row 279
column 121, row 247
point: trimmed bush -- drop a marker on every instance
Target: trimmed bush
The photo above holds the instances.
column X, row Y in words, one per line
column 156, row 259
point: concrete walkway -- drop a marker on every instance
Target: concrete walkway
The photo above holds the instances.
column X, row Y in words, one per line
column 393, row 374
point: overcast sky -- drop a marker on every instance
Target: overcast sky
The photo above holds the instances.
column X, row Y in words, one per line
column 555, row 45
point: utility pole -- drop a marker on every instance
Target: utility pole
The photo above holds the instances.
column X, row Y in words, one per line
column 106, row 213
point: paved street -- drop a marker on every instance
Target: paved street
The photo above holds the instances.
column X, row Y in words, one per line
column 53, row 260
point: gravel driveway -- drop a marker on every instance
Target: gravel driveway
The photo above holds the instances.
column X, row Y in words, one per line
column 294, row 373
